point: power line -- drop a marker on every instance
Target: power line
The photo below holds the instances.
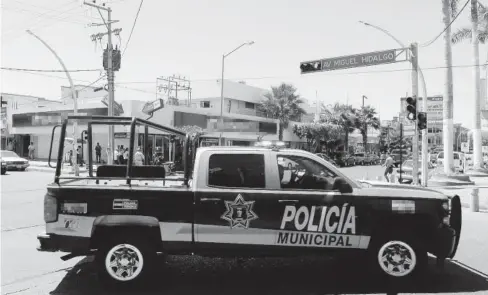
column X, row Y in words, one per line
column 49, row 71
column 133, row 26
column 447, row 27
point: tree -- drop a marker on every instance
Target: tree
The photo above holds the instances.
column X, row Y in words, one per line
column 343, row 115
column 477, row 33
column 316, row 133
column 366, row 118
column 465, row 33
column 284, row 104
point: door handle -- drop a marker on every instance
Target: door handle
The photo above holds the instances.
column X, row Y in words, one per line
column 288, row 201
column 210, row 199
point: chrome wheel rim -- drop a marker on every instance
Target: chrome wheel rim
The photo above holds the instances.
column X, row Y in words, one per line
column 397, row 258
column 124, row 262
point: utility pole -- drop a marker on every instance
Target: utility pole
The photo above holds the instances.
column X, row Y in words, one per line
column 110, row 78
column 415, row 91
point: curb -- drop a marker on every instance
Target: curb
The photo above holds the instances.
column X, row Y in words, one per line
column 481, row 207
column 52, row 170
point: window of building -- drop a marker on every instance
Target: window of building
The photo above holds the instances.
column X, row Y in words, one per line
column 205, row 104
column 303, row 173
column 249, row 105
column 236, row 170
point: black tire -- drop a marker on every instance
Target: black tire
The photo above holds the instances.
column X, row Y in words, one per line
column 22, row 169
column 409, row 245
column 142, row 252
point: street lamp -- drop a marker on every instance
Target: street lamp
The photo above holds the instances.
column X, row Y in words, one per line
column 424, row 103
column 222, row 86
column 75, row 102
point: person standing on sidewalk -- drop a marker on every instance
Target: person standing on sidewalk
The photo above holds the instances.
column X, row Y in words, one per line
column 31, row 149
column 389, row 166
column 98, row 152
column 139, row 157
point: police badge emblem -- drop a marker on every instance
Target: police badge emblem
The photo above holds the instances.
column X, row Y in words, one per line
column 239, row 213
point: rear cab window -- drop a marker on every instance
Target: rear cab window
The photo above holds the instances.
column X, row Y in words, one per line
column 237, row 170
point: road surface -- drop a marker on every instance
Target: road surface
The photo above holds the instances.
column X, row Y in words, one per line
column 26, row 271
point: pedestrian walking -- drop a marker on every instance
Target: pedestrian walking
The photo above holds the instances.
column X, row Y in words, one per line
column 98, row 152
column 121, row 155
column 389, row 166
column 126, row 156
column 31, row 149
column 116, row 156
column 139, row 157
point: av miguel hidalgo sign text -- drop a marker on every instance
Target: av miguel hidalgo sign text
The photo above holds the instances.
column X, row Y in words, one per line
column 351, row 61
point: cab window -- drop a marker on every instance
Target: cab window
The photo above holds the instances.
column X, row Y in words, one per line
column 236, row 170
column 303, row 173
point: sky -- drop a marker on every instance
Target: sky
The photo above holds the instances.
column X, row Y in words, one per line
column 188, row 38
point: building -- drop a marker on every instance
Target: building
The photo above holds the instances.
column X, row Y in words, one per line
column 243, row 124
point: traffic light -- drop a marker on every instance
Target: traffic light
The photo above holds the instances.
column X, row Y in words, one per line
column 105, row 58
column 310, row 67
column 422, row 120
column 84, row 134
column 411, row 108
column 116, row 58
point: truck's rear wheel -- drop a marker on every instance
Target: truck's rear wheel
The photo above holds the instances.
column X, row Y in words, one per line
column 124, row 261
column 399, row 258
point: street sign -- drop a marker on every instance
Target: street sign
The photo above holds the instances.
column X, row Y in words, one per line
column 351, row 61
column 153, row 106
column 465, row 147
column 118, row 109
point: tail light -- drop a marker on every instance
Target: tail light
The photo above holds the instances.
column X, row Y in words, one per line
column 50, row 208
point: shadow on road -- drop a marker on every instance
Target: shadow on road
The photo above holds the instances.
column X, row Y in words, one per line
column 196, row 275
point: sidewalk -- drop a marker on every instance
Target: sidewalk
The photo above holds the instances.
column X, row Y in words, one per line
column 43, row 166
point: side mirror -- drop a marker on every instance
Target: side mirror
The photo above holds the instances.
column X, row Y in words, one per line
column 342, row 185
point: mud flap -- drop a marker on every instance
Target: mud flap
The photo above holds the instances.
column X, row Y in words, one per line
column 456, row 222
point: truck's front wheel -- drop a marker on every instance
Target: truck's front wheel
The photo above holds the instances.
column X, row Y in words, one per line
column 125, row 260
column 399, row 258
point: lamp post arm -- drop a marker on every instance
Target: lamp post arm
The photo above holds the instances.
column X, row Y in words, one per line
column 75, row 101
column 237, row 48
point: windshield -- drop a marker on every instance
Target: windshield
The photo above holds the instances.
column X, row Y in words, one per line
column 4, row 154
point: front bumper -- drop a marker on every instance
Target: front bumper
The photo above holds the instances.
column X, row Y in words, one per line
column 16, row 166
column 445, row 242
column 70, row 244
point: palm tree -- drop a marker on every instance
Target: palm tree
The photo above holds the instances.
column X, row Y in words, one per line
column 465, row 33
column 366, row 118
column 284, row 104
column 343, row 115
column 477, row 33
column 449, row 9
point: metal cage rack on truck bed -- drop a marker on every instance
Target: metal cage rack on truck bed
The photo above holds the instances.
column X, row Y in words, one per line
column 129, row 172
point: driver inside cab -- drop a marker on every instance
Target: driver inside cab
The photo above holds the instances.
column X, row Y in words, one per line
column 304, row 174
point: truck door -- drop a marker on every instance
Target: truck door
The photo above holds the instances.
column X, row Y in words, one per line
column 232, row 207
column 315, row 216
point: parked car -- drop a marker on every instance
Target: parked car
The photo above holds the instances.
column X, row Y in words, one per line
column 360, row 158
column 345, row 160
column 13, row 161
column 327, row 158
column 407, row 169
column 458, row 160
column 374, row 159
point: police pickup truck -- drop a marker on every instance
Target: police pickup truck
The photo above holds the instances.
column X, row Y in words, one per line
column 239, row 201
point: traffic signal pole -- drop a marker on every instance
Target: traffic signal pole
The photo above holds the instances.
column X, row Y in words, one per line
column 415, row 91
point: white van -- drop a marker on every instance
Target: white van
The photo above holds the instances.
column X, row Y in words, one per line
column 458, row 160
